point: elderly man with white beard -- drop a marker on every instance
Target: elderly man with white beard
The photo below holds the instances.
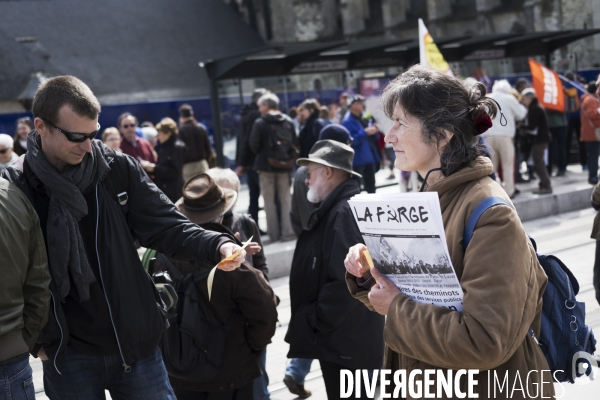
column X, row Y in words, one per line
column 327, row 323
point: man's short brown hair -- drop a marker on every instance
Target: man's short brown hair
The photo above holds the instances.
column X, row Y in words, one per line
column 64, row 90
column 186, row 111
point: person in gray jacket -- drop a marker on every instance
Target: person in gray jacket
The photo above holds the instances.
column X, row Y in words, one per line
column 24, row 293
column 273, row 140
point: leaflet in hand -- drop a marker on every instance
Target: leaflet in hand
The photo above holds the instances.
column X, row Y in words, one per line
column 404, row 233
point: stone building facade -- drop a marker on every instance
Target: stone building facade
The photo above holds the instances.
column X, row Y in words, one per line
column 308, row 20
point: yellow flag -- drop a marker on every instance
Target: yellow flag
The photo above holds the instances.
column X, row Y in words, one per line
column 430, row 55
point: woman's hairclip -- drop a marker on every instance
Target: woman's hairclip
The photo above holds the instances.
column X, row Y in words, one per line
column 483, row 122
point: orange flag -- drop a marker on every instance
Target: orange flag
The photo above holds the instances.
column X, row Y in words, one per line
column 548, row 87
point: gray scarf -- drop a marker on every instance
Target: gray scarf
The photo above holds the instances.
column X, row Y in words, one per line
column 66, row 252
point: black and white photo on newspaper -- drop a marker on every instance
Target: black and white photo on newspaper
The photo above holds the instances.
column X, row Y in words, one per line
column 405, row 236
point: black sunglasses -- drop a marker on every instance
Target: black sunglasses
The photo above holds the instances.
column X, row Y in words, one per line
column 3, row 151
column 73, row 136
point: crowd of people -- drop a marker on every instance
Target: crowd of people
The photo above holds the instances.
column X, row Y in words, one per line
column 529, row 142
column 152, row 186
column 77, row 209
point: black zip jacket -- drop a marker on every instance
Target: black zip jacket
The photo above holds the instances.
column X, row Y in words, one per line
column 536, row 119
column 244, row 156
column 134, row 307
column 168, row 174
column 309, row 134
column 327, row 323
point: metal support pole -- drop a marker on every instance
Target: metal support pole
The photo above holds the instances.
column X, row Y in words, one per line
column 241, row 93
column 215, row 109
column 285, row 96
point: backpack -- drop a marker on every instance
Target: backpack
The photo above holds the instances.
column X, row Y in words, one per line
column 282, row 151
column 193, row 346
column 564, row 337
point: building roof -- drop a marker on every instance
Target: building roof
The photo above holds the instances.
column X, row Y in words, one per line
column 297, row 58
column 124, row 50
column 18, row 63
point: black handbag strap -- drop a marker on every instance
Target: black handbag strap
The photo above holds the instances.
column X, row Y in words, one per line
column 172, row 268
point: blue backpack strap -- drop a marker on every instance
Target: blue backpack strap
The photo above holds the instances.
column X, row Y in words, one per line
column 482, row 207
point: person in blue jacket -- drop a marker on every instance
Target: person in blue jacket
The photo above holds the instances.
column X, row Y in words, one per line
column 366, row 155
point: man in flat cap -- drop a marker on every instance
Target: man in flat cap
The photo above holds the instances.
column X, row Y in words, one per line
column 327, row 323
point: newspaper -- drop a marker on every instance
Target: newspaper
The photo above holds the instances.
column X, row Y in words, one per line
column 404, row 233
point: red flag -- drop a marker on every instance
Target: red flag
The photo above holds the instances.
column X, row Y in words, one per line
column 548, row 87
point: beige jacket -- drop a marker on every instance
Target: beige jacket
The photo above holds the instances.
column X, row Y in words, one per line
column 503, row 285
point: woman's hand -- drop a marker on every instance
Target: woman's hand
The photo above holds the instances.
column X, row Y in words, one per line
column 147, row 166
column 353, row 264
column 382, row 293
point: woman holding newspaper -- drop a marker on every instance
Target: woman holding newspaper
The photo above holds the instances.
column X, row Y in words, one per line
column 436, row 121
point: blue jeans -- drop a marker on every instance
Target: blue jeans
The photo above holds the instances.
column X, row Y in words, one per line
column 16, row 381
column 261, row 392
column 87, row 377
column 593, row 150
column 298, row 368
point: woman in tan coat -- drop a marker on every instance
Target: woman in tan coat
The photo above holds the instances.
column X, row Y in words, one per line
column 435, row 124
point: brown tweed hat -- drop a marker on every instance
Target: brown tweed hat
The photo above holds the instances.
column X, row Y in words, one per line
column 203, row 200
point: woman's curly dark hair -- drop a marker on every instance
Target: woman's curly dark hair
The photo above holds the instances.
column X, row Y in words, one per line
column 442, row 102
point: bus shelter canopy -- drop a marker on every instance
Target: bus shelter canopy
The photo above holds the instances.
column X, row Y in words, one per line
column 311, row 57
column 300, row 58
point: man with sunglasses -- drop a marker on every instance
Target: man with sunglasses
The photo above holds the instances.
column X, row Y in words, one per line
column 7, row 155
column 107, row 318
column 137, row 147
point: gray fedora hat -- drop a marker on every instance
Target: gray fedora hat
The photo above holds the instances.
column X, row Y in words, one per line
column 331, row 154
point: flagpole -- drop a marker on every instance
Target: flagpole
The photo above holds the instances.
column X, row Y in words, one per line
column 576, row 85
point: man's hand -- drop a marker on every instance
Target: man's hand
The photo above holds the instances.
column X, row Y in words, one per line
column 252, row 248
column 382, row 293
column 353, row 264
column 228, row 249
column 371, row 130
column 240, row 171
column 42, row 354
